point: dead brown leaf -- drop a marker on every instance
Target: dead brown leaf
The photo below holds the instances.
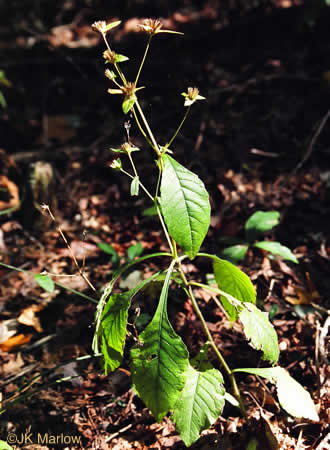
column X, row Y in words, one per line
column 28, row 317
column 15, row 341
column 12, row 191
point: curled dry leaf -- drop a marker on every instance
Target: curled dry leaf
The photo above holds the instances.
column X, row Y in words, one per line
column 11, row 191
column 15, row 341
column 28, row 317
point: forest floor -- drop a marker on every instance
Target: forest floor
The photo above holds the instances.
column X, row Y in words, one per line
column 260, row 141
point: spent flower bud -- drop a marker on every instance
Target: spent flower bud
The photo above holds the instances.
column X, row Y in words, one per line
column 116, row 164
column 109, row 56
column 100, row 26
column 110, row 74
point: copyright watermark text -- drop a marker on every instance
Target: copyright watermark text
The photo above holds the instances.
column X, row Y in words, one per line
column 30, row 437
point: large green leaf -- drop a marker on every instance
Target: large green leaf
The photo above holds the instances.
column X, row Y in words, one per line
column 159, row 361
column 260, row 331
column 114, row 321
column 200, row 403
column 292, row 396
column 185, row 206
column 261, row 222
column 233, row 281
column 277, row 249
column 4, row 445
column 113, row 325
column 107, row 292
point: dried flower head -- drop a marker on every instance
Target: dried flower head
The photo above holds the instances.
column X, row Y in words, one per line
column 110, row 74
column 191, row 96
column 151, row 26
column 154, row 26
column 129, row 89
column 127, row 147
column 116, row 164
column 109, row 56
column 100, row 26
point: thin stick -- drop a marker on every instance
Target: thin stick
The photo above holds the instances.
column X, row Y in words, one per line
column 81, row 273
column 313, row 141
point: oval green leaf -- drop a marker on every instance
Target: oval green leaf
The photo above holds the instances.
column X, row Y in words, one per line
column 261, row 222
column 159, row 361
column 293, row 398
column 134, row 250
column 260, row 331
column 185, row 206
column 135, row 184
column 113, row 325
column 45, row 282
column 200, row 403
column 235, row 253
column 233, row 281
column 113, row 333
column 128, row 103
column 106, row 248
column 277, row 249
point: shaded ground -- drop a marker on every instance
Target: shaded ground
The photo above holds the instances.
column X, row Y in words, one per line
column 258, row 143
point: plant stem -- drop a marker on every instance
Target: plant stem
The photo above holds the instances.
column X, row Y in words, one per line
column 165, row 229
column 140, row 128
column 143, row 59
column 145, row 122
column 211, row 341
column 234, row 301
column 132, row 163
column 179, row 127
column 142, row 186
column 121, row 75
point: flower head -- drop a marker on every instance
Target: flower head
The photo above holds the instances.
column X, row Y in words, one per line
column 113, row 57
column 151, row 26
column 109, row 56
column 100, row 26
column 116, row 164
column 191, row 96
column 126, row 147
column 110, row 74
column 154, row 26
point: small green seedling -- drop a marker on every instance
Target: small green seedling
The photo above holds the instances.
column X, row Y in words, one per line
column 132, row 252
column 259, row 223
column 164, row 375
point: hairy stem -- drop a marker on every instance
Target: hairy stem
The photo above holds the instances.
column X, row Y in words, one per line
column 211, row 341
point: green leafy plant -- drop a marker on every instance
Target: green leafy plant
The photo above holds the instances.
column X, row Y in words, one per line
column 259, row 223
column 132, row 252
column 163, row 374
